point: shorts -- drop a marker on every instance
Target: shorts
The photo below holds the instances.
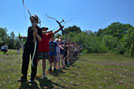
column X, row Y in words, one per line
column 42, row 55
column 62, row 52
column 52, row 59
column 65, row 54
column 57, row 57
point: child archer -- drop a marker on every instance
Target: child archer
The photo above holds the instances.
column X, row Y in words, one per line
column 44, row 47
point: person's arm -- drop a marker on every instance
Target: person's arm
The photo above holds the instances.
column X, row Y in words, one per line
column 44, row 32
column 68, row 51
column 58, row 29
column 22, row 37
column 60, row 47
column 36, row 35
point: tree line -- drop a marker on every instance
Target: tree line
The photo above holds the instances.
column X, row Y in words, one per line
column 115, row 38
column 8, row 39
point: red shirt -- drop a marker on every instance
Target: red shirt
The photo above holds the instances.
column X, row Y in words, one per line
column 44, row 43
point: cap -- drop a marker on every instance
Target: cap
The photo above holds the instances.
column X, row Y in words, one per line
column 44, row 28
column 34, row 17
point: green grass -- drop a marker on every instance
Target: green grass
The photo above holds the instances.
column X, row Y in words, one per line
column 91, row 71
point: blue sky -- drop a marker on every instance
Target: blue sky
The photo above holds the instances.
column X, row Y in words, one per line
column 86, row 14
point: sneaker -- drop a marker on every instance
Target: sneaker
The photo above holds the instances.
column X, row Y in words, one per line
column 31, row 81
column 22, row 79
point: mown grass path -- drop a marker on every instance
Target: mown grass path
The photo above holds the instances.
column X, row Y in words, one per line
column 92, row 71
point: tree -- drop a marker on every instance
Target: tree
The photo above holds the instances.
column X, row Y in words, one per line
column 3, row 36
column 73, row 29
column 110, row 42
column 57, row 35
column 130, row 37
column 12, row 41
column 115, row 29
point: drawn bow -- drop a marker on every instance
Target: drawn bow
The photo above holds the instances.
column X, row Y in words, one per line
column 57, row 22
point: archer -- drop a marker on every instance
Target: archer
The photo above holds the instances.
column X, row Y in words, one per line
column 30, row 49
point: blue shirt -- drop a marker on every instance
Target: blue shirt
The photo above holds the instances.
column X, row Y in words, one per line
column 52, row 48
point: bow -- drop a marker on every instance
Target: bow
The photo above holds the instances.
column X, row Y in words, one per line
column 57, row 22
column 26, row 8
column 35, row 40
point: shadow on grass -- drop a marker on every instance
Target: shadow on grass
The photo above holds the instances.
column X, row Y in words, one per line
column 56, row 73
column 71, row 63
column 48, row 84
column 43, row 84
column 26, row 85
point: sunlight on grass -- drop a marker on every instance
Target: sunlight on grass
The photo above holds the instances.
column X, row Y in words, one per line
column 91, row 71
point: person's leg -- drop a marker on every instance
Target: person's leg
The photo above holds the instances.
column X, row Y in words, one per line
column 58, row 60
column 59, row 65
column 25, row 63
column 34, row 68
column 62, row 60
column 50, row 68
column 65, row 58
column 50, row 63
column 45, row 57
column 38, row 60
column 68, row 59
column 55, row 62
column 43, row 66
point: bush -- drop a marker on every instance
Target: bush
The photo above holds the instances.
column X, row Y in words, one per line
column 84, row 51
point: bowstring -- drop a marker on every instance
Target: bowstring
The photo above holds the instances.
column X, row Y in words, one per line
column 25, row 18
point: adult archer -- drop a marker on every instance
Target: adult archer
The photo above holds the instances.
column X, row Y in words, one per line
column 30, row 49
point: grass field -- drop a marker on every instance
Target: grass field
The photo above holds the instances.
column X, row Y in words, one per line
column 91, row 71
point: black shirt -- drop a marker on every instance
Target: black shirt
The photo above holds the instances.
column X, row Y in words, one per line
column 29, row 42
